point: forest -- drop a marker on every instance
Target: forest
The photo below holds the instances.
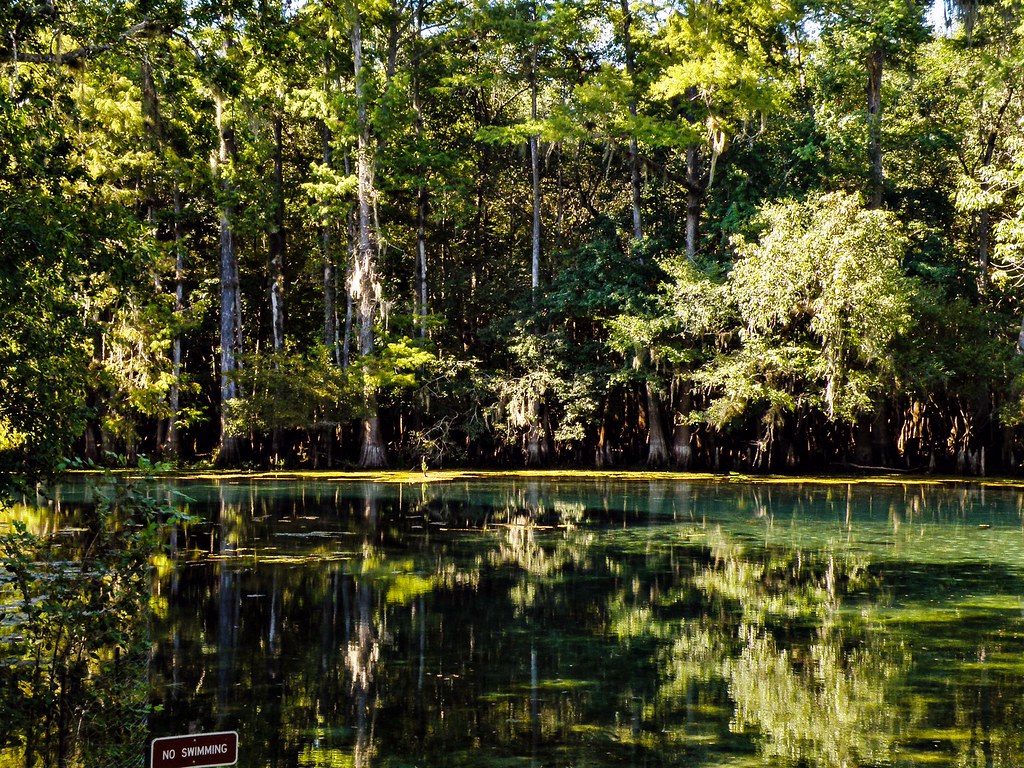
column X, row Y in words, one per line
column 731, row 235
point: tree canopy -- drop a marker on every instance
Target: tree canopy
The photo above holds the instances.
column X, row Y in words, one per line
column 720, row 234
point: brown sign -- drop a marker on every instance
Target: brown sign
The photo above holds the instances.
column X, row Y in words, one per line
column 198, row 750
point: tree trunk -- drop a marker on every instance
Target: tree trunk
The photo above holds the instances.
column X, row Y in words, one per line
column 634, row 155
column 173, row 433
column 862, row 451
column 535, row 250
column 875, row 64
column 276, row 242
column 91, row 450
column 535, row 440
column 602, row 452
column 330, row 297
column 150, row 105
column 657, row 451
column 421, row 191
column 695, row 186
column 329, row 278
column 421, row 248
column 350, row 263
column 373, row 452
column 534, row 443
column 881, row 435
column 230, row 310
column 534, row 171
column 682, row 432
column 984, row 235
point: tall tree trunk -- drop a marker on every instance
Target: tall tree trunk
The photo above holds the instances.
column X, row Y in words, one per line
column 329, row 278
column 173, row 433
column 330, row 289
column 875, row 65
column 534, row 170
column 373, row 452
column 350, row 263
column 695, row 186
column 535, row 249
column 230, row 300
column 535, row 443
column 421, row 191
column 634, row 155
column 421, row 249
column 154, row 135
column 276, row 242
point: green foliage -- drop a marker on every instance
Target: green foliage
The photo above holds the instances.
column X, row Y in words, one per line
column 110, row 212
column 562, row 370
column 456, row 396
column 724, row 70
column 42, row 234
column 397, row 365
column 305, row 390
column 857, row 27
column 684, row 321
column 74, row 626
column 822, row 300
column 293, row 389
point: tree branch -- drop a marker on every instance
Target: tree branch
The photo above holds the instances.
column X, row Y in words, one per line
column 8, row 55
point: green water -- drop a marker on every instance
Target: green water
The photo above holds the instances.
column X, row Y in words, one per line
column 595, row 623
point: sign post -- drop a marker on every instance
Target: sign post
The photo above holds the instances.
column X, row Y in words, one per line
column 197, row 750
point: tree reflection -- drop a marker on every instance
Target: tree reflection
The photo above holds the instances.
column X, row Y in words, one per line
column 374, row 624
column 825, row 705
column 814, row 682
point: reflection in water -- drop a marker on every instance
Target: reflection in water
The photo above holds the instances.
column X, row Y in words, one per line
column 570, row 623
column 816, row 686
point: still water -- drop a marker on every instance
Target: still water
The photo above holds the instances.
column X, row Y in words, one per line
column 609, row 622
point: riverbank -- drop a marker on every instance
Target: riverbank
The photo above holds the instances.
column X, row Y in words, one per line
column 456, row 475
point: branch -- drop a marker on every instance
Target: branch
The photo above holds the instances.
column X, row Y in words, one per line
column 8, row 55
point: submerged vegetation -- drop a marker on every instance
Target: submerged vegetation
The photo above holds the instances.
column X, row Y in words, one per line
column 733, row 235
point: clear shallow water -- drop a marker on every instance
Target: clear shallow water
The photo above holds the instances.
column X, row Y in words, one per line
column 594, row 623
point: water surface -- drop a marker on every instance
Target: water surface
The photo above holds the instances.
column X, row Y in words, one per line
column 594, row 623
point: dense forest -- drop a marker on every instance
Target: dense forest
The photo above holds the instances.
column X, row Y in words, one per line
column 721, row 234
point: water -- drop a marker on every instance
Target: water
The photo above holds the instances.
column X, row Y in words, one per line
column 530, row 622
